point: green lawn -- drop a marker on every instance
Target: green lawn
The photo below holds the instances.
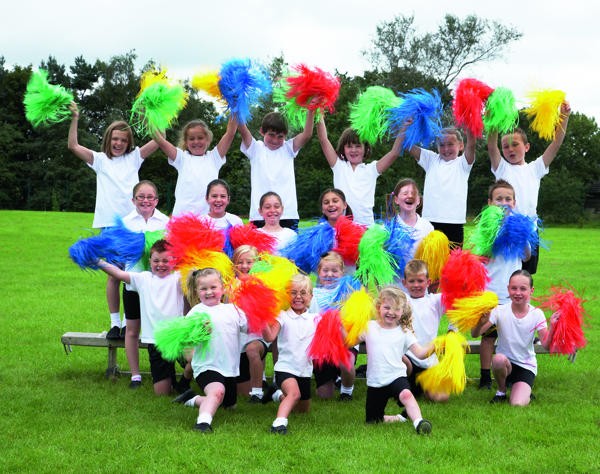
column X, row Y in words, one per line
column 59, row 413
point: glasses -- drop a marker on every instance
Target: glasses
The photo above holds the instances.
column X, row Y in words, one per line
column 141, row 198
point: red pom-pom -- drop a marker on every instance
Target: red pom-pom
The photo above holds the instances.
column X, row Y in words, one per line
column 188, row 232
column 327, row 346
column 257, row 300
column 248, row 234
column 347, row 237
column 313, row 88
column 463, row 275
column 468, row 106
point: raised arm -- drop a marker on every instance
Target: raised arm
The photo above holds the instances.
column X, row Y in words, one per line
column 167, row 147
column 493, row 150
column 559, row 135
column 388, row 159
column 227, row 139
column 114, row 271
column 80, row 151
column 246, row 135
column 270, row 332
column 304, row 136
column 326, row 146
column 147, row 149
column 470, row 147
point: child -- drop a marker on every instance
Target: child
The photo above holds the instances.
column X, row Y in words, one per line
column 427, row 312
column 161, row 299
column 333, row 205
column 216, row 366
column 350, row 174
column 294, row 331
column 271, row 209
column 272, row 164
column 446, row 182
column 515, row 362
column 217, row 197
column 116, row 168
column 387, row 339
column 525, row 177
column 145, row 218
column 329, row 272
column 195, row 165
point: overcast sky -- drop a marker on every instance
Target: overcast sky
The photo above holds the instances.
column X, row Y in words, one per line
column 558, row 50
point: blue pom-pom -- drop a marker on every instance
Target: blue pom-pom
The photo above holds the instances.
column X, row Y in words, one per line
column 400, row 242
column 516, row 236
column 306, row 249
column 346, row 286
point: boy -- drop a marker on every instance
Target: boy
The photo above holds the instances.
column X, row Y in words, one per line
column 161, row 298
column 525, row 177
column 272, row 164
column 427, row 312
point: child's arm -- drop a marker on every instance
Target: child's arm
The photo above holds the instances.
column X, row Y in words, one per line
column 80, row 151
column 326, row 146
column 422, row 352
column 114, row 271
column 167, row 148
column 304, row 136
column 493, row 150
column 559, row 135
column 482, row 325
column 269, row 333
column 147, row 149
column 388, row 159
column 470, row 147
column 227, row 139
column 246, row 135
column 546, row 335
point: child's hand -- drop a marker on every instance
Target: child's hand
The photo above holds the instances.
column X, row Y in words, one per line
column 74, row 109
column 554, row 318
column 565, row 109
column 485, row 317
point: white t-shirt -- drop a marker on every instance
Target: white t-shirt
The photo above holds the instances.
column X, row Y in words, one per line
column 161, row 299
column 526, row 180
column 515, row 335
column 193, row 175
column 446, row 186
column 225, row 222
column 427, row 313
column 272, row 170
column 418, row 232
column 499, row 270
column 222, row 353
column 115, row 179
column 295, row 335
column 385, row 348
column 358, row 185
column 283, row 237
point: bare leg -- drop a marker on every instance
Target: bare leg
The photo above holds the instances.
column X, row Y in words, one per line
column 163, row 387
column 255, row 352
column 348, row 374
column 214, row 394
column 410, row 404
column 132, row 337
column 112, row 295
column 520, row 394
column 291, row 397
column 502, row 368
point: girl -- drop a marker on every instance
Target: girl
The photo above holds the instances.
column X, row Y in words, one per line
column 351, row 174
column 215, row 365
column 294, row 331
column 333, row 205
column 329, row 272
column 271, row 209
column 515, row 362
column 145, row 217
column 195, row 165
column 217, row 198
column 387, row 339
column 116, row 168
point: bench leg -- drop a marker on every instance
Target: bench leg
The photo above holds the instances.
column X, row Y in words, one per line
column 113, row 369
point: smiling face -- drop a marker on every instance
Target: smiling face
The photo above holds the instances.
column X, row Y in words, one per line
column 389, row 314
column 160, row 264
column 210, row 289
column 300, row 296
column 416, row 284
column 514, row 148
column 145, row 200
column 520, row 290
column 329, row 272
column 449, row 147
column 119, row 143
column 197, row 140
column 217, row 199
column 333, row 206
column 407, row 199
column 244, row 262
column 273, row 140
column 354, row 153
column 503, row 197
column 271, row 210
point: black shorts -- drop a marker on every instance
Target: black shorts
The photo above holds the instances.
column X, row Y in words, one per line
column 160, row 368
column 520, row 374
column 454, row 232
column 415, row 387
column 491, row 332
column 377, row 398
column 303, row 383
column 245, row 364
column 532, row 264
column 325, row 373
column 131, row 304
column 210, row 376
column 289, row 223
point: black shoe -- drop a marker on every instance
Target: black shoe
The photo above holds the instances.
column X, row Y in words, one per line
column 114, row 333
column 280, row 430
column 185, row 396
column 361, row 371
column 498, row 399
column 268, row 395
column 122, row 332
column 531, row 397
column 182, row 385
column 255, row 399
column 345, row 397
column 424, row 427
column 135, row 384
column 485, row 384
column 203, row 427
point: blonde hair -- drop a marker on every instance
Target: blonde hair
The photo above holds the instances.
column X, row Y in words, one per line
column 121, row 126
column 302, row 281
column 332, row 257
column 192, row 282
column 241, row 250
column 193, row 124
column 398, row 299
column 416, row 267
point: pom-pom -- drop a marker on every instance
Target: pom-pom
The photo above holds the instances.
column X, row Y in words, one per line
column 276, row 272
column 306, row 249
column 425, row 110
column 400, row 243
column 347, row 238
column 467, row 310
column 259, row 302
column 248, row 234
column 516, row 236
column 501, row 112
column 174, row 336
column 469, row 99
column 198, row 259
column 46, row 103
column 208, row 81
column 376, row 266
column 327, row 346
column 158, row 104
column 295, row 114
column 463, row 275
column 568, row 334
column 434, row 250
column 345, row 287
column 545, row 112
column 313, row 88
column 188, row 232
column 356, row 312
column 488, row 225
column 150, row 237
column 370, row 113
column 449, row 375
column 242, row 84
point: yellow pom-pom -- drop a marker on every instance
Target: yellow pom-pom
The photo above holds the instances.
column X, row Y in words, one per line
column 466, row 312
column 197, row 259
column 356, row 312
column 208, row 82
column 152, row 77
column 277, row 277
column 545, row 112
column 434, row 250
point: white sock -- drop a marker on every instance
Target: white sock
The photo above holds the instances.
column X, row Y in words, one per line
column 257, row 391
column 280, row 422
column 401, row 419
column 204, row 418
column 191, row 402
column 136, row 378
column 416, row 422
column 500, row 394
column 277, row 396
column 346, row 390
column 115, row 320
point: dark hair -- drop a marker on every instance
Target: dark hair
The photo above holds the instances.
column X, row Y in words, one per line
column 350, row 137
column 141, row 183
column 342, row 196
column 159, row 246
column 121, row 126
column 217, row 182
column 501, row 183
column 266, row 195
column 188, row 126
column 274, row 122
column 524, row 273
column 520, row 132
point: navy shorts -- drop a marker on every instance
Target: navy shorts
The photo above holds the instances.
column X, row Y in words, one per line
column 415, row 387
column 303, row 383
column 289, row 223
column 131, row 304
column 377, row 398
column 520, row 374
column 454, row 232
column 210, row 376
column 160, row 368
column 245, row 364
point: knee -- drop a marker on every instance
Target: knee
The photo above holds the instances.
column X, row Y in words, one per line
column 253, row 351
column 499, row 361
column 406, row 396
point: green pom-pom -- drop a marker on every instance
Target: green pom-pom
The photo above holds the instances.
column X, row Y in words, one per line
column 150, row 237
column 157, row 106
column 289, row 108
column 369, row 114
column 485, row 232
column 46, row 103
column 376, row 266
column 173, row 337
column 501, row 112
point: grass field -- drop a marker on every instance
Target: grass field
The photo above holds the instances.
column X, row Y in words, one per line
column 59, row 413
